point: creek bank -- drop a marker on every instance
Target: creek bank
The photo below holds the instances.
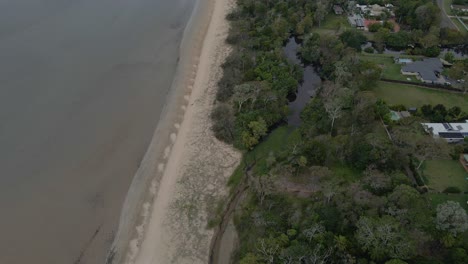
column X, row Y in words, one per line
column 308, row 86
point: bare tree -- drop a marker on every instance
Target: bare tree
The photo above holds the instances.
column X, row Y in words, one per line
column 429, row 148
column 334, row 110
column 313, row 231
column 242, row 94
column 267, row 250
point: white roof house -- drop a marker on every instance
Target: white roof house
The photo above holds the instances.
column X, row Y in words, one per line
column 452, row 132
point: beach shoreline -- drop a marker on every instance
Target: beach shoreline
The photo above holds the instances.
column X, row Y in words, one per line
column 182, row 147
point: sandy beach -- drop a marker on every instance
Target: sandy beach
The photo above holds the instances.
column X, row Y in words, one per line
column 191, row 176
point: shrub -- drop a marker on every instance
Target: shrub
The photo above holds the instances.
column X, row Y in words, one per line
column 369, row 50
column 452, row 189
column 433, row 51
column 375, row 27
column 223, row 123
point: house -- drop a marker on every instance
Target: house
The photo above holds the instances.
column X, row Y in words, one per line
column 451, row 132
column 376, row 10
column 363, row 8
column 462, row 8
column 427, row 70
column 412, row 110
column 360, row 24
column 338, row 10
column 356, row 21
column 403, row 60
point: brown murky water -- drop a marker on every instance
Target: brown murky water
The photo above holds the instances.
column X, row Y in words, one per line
column 82, row 85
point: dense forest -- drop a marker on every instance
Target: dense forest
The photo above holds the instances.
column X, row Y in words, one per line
column 346, row 186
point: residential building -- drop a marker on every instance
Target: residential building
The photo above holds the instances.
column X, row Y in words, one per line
column 451, row 132
column 462, row 8
column 428, row 70
column 356, row 21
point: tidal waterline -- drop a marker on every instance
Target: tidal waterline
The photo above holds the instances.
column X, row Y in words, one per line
column 82, row 85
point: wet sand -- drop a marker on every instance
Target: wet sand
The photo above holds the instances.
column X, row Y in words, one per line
column 190, row 176
column 82, row 87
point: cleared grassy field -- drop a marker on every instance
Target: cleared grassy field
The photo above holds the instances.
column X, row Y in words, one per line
column 335, row 22
column 414, row 96
column 390, row 69
column 445, row 173
column 460, row 26
column 275, row 142
column 447, row 8
column 438, row 198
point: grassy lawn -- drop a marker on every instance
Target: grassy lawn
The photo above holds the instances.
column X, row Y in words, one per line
column 413, row 96
column 447, row 8
column 459, row 25
column 390, row 69
column 438, row 198
column 276, row 141
column 441, row 174
column 335, row 22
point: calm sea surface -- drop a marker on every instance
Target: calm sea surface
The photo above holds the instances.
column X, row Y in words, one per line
column 82, row 85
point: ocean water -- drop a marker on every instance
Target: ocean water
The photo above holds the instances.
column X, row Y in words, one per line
column 82, row 86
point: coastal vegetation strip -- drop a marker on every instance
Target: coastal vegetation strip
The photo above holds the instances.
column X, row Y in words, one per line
column 325, row 191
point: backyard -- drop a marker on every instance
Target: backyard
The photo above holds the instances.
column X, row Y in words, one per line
column 390, row 69
column 447, row 8
column 332, row 24
column 414, row 96
column 460, row 25
column 441, row 174
column 438, row 198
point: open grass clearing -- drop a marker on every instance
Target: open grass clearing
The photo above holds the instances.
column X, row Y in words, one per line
column 335, row 22
column 441, row 174
column 460, row 25
column 447, row 7
column 275, row 142
column 438, row 198
column 390, row 69
column 414, row 96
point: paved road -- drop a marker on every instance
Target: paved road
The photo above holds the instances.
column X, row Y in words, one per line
column 445, row 19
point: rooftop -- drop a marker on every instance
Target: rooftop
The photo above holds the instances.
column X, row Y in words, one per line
column 426, row 68
column 447, row 130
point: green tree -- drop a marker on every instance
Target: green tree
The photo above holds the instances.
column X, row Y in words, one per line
column 256, row 130
column 375, row 27
column 451, row 217
column 449, row 57
column 305, row 25
column 353, row 39
column 321, row 11
column 427, row 15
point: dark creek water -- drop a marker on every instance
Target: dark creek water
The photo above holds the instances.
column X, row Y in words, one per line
column 307, row 88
